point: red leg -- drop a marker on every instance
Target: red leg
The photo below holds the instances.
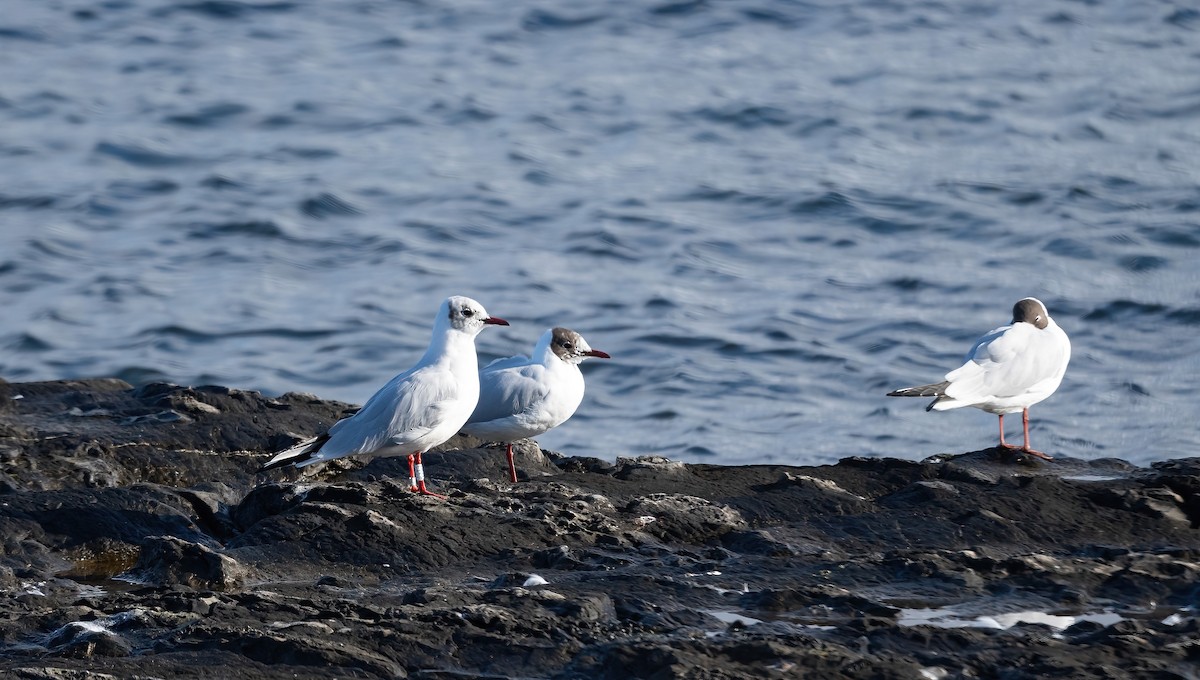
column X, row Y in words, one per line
column 1026, row 449
column 421, row 480
column 512, row 466
column 412, row 473
column 1004, row 444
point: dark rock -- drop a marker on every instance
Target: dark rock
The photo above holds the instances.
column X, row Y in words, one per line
column 1160, row 503
column 758, row 542
column 167, row 560
column 642, row 568
column 921, row 492
column 586, row 465
column 961, row 473
column 688, row 518
column 828, row 599
column 84, row 640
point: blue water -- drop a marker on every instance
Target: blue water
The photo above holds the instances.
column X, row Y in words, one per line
column 769, row 212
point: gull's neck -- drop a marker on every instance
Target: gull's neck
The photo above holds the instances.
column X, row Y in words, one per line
column 542, row 352
column 450, row 345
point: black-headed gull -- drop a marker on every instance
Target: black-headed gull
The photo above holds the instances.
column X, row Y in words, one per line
column 524, row 396
column 418, row 409
column 1008, row 370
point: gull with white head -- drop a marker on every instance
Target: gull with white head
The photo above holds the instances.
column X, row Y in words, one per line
column 416, row 410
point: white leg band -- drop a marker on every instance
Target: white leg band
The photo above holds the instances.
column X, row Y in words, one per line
column 420, row 472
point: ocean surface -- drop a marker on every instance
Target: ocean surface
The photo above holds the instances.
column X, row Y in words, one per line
column 769, row 212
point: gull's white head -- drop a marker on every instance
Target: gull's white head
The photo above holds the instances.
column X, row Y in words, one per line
column 1031, row 311
column 570, row 346
column 466, row 315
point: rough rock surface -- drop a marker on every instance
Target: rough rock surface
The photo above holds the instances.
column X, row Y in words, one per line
column 139, row 543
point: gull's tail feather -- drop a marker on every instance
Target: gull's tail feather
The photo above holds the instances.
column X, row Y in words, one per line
column 937, row 390
column 296, row 455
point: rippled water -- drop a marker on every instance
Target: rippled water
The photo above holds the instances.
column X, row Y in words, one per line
column 769, row 212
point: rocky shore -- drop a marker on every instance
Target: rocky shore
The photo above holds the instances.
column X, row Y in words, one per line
column 139, row 543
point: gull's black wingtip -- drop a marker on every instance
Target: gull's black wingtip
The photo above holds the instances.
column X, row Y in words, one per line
column 300, row 453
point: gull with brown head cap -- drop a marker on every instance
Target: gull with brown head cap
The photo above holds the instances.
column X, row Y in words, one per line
column 1008, row 370
column 522, row 397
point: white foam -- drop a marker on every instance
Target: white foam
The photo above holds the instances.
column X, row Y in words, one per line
column 91, row 590
column 131, row 579
column 89, row 626
column 33, row 589
column 948, row 617
column 731, row 617
column 1174, row 619
column 125, row 616
column 1005, row 621
column 76, row 628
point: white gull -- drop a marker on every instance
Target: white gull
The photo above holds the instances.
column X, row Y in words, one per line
column 524, row 396
column 418, row 409
column 1008, row 370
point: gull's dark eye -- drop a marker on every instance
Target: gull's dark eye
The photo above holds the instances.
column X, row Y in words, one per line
column 468, row 312
column 567, row 344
